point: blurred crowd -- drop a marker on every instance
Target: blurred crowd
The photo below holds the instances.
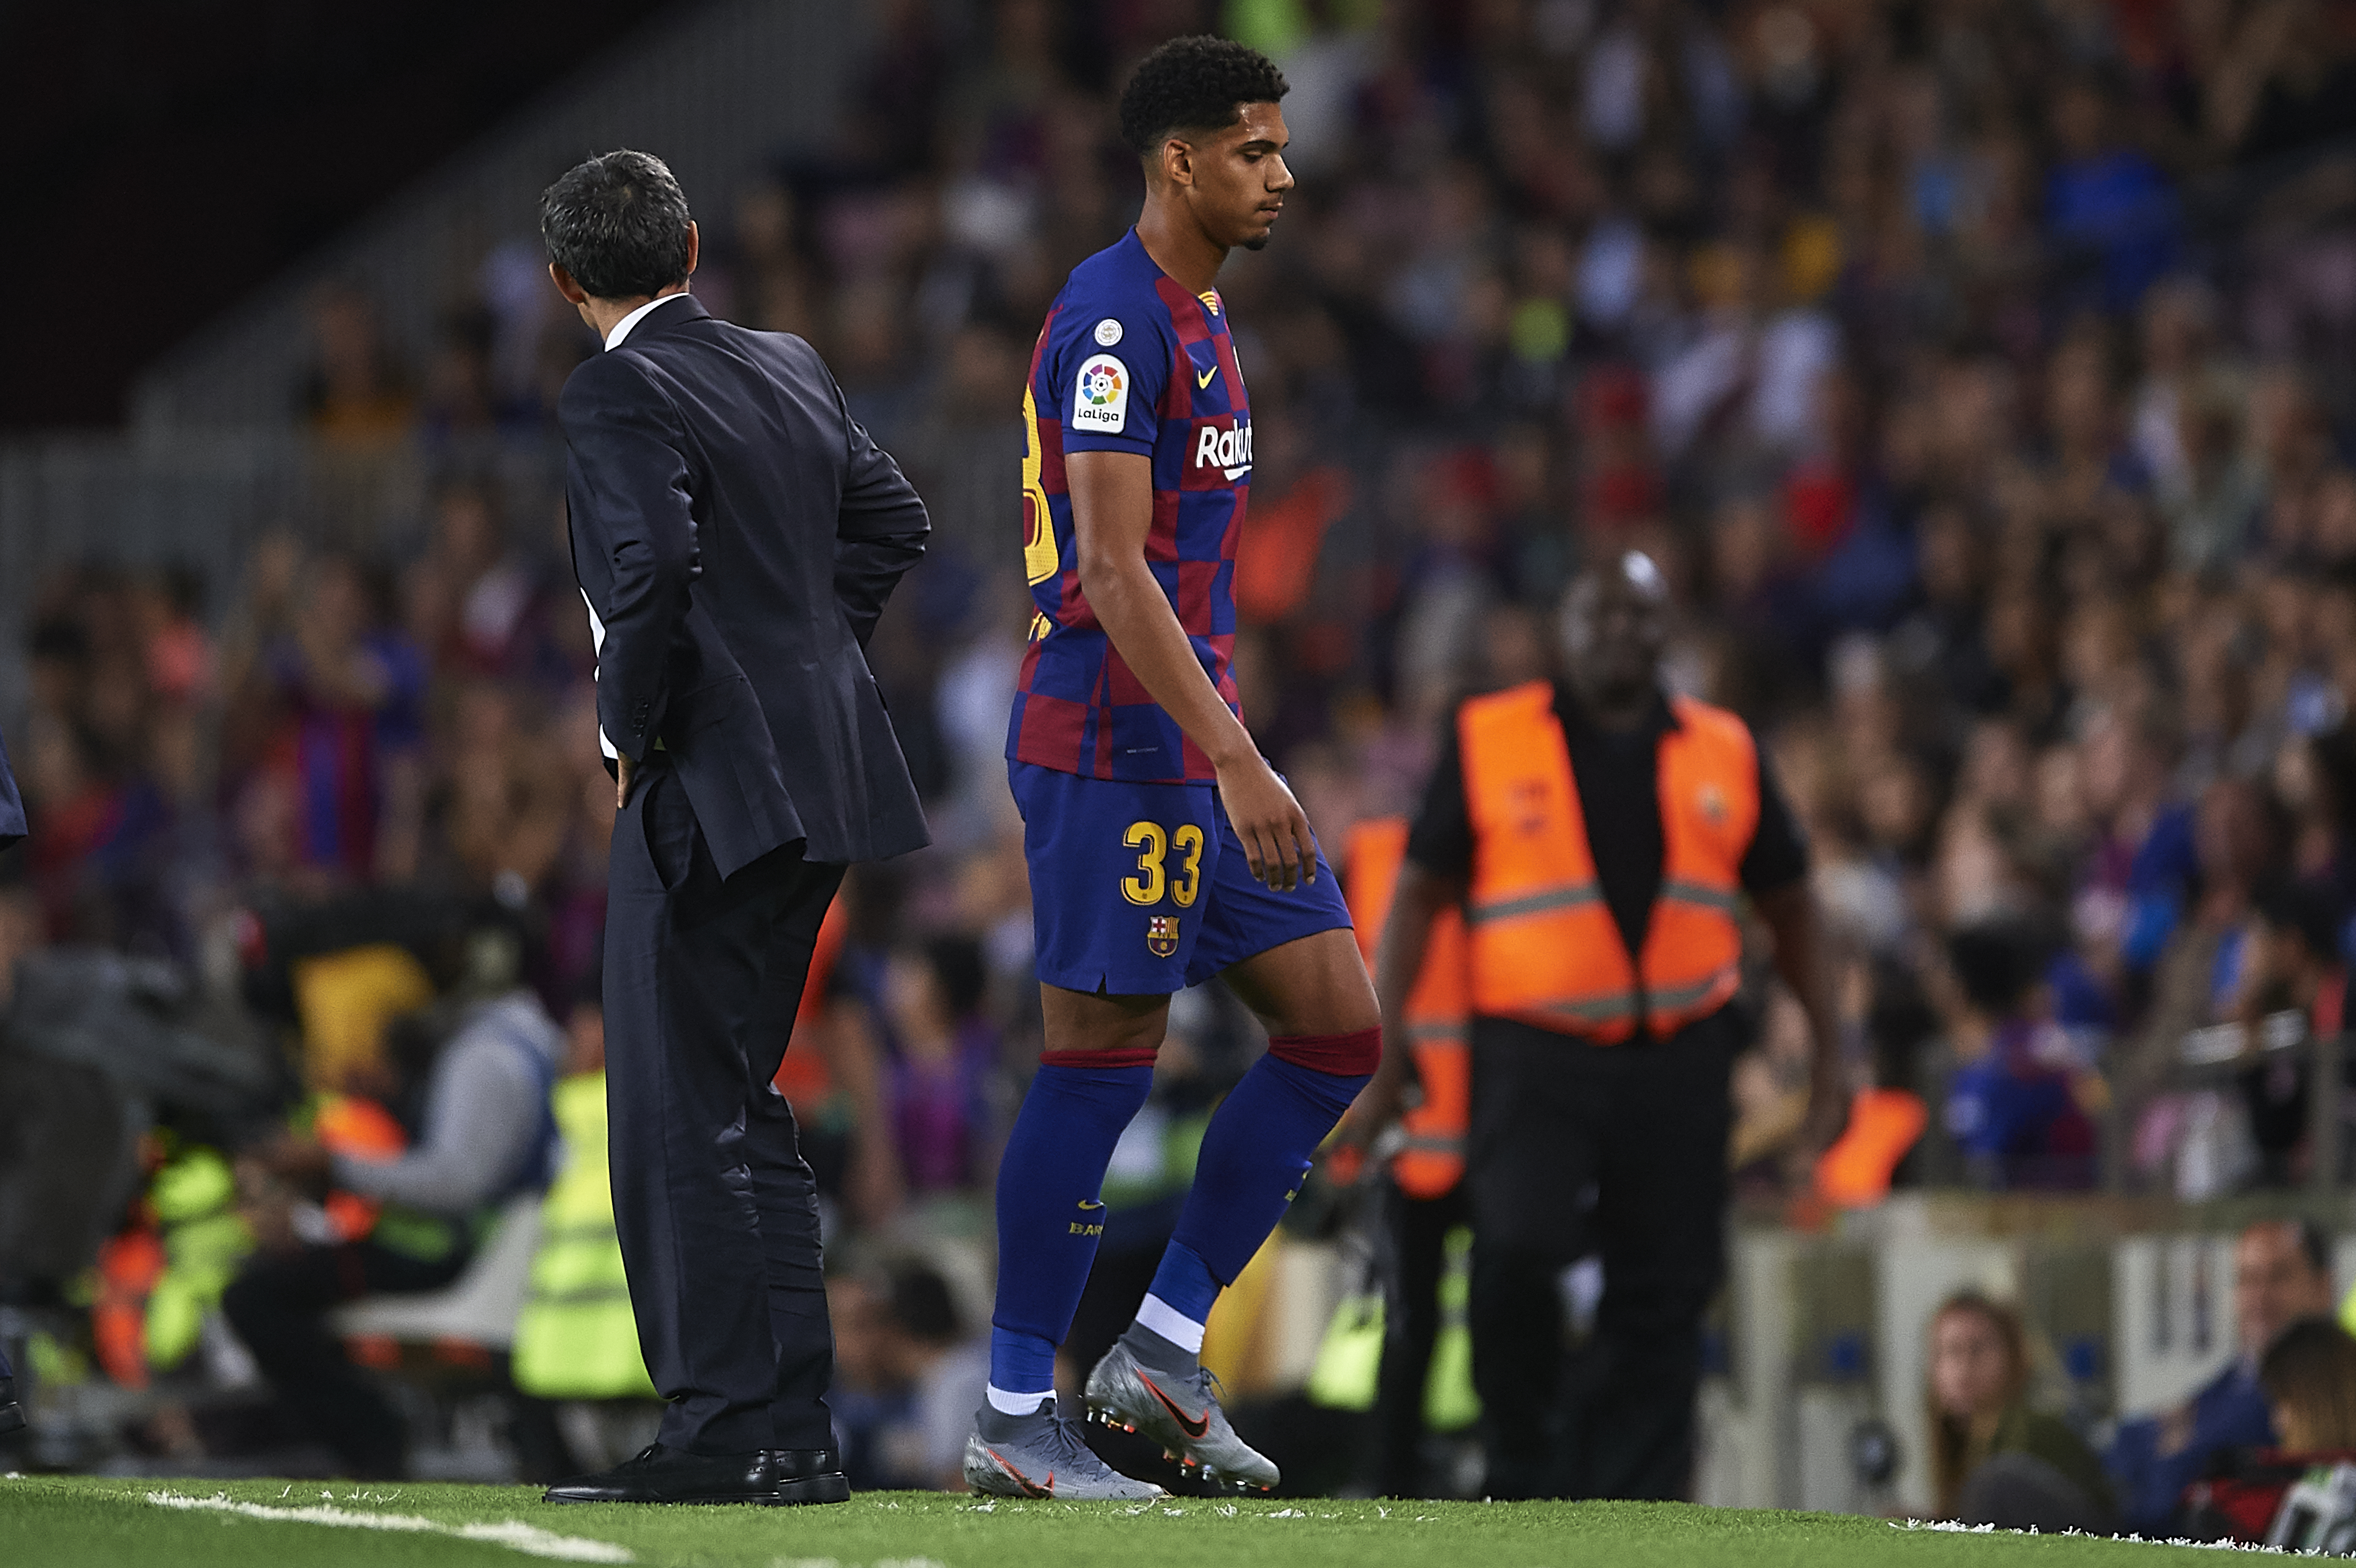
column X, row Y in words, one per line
column 1979, row 371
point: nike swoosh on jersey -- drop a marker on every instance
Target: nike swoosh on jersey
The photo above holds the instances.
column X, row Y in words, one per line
column 1204, row 378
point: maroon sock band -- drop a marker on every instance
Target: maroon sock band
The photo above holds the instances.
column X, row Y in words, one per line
column 1128, row 1056
column 1343, row 1056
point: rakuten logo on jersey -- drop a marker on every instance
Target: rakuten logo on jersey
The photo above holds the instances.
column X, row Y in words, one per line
column 1223, row 446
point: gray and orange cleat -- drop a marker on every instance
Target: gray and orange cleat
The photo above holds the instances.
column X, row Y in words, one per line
column 1181, row 1412
column 1042, row 1456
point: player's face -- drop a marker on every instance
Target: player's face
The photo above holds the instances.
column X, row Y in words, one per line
column 1239, row 177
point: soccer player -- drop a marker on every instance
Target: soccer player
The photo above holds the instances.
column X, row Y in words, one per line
column 1164, row 849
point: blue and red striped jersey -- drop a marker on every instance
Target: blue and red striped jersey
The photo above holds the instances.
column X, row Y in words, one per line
column 1129, row 361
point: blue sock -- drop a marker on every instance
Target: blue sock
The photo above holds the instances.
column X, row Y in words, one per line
column 1255, row 1152
column 1050, row 1214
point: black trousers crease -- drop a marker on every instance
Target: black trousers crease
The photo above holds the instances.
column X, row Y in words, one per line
column 716, row 1209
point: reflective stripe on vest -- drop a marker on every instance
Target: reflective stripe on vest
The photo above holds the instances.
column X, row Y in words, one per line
column 1538, row 903
column 1545, row 946
column 1431, row 1161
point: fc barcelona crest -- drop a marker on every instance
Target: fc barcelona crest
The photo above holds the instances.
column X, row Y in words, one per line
column 1162, row 935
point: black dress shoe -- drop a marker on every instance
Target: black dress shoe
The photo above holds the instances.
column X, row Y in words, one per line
column 810, row 1475
column 660, row 1474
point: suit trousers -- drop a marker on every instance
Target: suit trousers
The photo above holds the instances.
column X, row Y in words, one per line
column 716, row 1210
column 1618, row 1151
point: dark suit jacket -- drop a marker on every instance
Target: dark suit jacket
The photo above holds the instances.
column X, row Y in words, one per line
column 736, row 533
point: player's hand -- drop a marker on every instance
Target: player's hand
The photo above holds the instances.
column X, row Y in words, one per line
column 1273, row 828
column 625, row 773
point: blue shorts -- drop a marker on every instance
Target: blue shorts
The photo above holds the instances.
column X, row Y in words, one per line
column 1144, row 889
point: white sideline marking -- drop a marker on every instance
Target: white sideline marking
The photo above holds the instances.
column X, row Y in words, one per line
column 514, row 1534
column 1951, row 1527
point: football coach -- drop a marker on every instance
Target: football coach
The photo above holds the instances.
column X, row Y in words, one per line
column 736, row 534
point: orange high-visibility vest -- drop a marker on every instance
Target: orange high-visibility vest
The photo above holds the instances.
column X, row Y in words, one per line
column 805, row 1077
column 1545, row 948
column 1883, row 1125
column 350, row 1125
column 1432, row 1161
column 128, row 1267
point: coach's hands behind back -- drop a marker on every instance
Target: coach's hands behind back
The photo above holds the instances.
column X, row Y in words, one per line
column 1269, row 821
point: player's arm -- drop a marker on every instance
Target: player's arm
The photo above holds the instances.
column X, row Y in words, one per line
column 1112, row 513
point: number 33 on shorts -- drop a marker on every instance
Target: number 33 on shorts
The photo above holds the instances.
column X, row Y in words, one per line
column 1156, row 847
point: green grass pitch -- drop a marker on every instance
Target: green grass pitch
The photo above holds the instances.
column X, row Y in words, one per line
column 79, row 1522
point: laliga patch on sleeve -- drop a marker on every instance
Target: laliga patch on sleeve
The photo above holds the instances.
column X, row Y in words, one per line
column 1100, row 396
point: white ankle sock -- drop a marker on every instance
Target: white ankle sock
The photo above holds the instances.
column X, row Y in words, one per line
column 1170, row 1323
column 1015, row 1404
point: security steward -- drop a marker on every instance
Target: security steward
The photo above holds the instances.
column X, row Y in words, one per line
column 1424, row 1199
column 1599, row 838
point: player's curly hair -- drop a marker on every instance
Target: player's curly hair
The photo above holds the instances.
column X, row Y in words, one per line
column 1195, row 84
